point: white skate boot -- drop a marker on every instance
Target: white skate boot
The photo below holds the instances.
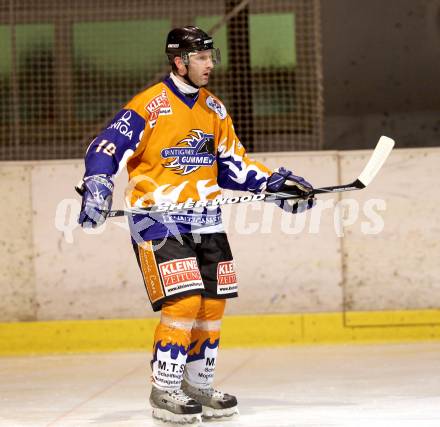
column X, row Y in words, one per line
column 215, row 404
column 175, row 406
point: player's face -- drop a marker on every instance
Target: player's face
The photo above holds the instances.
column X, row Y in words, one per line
column 200, row 67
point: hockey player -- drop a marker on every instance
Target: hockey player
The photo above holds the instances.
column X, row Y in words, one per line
column 179, row 143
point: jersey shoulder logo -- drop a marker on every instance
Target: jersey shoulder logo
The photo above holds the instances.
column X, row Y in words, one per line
column 158, row 106
column 216, row 106
column 191, row 153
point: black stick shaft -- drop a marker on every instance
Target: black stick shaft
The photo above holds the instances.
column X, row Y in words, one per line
column 269, row 197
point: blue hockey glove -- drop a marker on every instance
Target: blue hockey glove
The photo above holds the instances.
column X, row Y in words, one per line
column 96, row 191
column 284, row 180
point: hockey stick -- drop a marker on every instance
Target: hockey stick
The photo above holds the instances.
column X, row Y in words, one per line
column 376, row 161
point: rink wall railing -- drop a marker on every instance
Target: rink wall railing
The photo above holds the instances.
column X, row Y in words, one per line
column 67, row 336
column 366, row 260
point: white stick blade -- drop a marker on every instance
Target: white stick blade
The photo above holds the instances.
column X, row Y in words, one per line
column 378, row 158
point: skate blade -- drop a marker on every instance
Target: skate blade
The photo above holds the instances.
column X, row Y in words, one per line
column 214, row 414
column 181, row 419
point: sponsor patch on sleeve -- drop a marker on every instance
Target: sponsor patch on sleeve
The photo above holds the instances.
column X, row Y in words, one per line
column 127, row 126
column 180, row 275
column 216, row 106
column 226, row 278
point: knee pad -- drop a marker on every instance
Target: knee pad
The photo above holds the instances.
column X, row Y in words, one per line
column 177, row 320
column 206, row 328
column 211, row 309
column 182, row 307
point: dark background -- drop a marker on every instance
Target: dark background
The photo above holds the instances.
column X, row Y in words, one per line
column 381, row 65
column 309, row 75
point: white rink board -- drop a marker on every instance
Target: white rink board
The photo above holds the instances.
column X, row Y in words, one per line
column 281, row 268
column 17, row 288
column 96, row 275
column 398, row 268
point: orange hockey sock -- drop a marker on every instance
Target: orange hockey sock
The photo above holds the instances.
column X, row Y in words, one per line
column 205, row 338
column 172, row 339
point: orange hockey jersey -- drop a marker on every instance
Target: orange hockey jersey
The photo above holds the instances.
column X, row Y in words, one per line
column 176, row 148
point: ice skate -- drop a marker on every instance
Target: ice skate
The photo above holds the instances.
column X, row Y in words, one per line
column 175, row 407
column 215, row 404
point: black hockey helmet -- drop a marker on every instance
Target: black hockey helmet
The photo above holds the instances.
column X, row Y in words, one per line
column 184, row 40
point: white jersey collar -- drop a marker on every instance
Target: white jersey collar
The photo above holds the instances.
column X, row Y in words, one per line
column 185, row 88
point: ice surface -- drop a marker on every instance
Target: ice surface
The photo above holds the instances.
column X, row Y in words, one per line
column 343, row 385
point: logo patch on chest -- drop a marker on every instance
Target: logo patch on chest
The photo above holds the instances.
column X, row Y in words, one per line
column 158, row 106
column 191, row 153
